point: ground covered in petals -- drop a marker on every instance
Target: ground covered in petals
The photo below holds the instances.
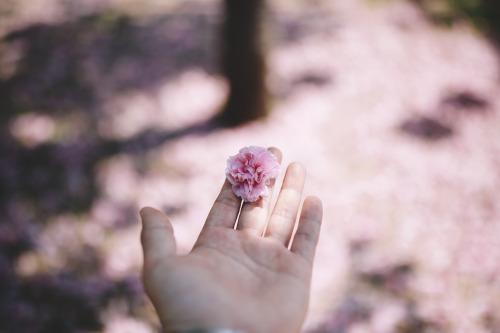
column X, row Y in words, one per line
column 106, row 107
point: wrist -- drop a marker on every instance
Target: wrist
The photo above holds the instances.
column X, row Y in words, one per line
column 203, row 330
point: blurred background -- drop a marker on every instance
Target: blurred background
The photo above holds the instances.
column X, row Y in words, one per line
column 392, row 106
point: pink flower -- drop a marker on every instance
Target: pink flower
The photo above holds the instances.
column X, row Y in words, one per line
column 250, row 171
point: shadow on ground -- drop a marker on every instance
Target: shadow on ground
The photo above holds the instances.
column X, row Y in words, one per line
column 72, row 69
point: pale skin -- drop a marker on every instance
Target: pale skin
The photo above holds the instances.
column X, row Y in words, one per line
column 252, row 278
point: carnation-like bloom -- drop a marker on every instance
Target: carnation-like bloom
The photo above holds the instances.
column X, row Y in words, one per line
column 250, row 171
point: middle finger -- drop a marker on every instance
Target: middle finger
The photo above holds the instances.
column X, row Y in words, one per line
column 253, row 216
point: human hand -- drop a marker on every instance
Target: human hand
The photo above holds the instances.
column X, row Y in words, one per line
column 247, row 278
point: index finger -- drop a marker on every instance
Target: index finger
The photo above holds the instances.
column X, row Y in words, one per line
column 225, row 209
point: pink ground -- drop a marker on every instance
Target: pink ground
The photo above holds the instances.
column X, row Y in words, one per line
column 396, row 204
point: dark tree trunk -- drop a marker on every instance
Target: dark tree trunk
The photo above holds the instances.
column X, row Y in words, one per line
column 243, row 62
column 492, row 17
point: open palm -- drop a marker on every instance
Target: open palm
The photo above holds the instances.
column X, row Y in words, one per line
column 249, row 277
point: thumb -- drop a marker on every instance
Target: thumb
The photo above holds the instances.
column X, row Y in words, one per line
column 157, row 236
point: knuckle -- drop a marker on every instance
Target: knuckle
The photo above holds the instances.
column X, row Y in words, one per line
column 226, row 200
